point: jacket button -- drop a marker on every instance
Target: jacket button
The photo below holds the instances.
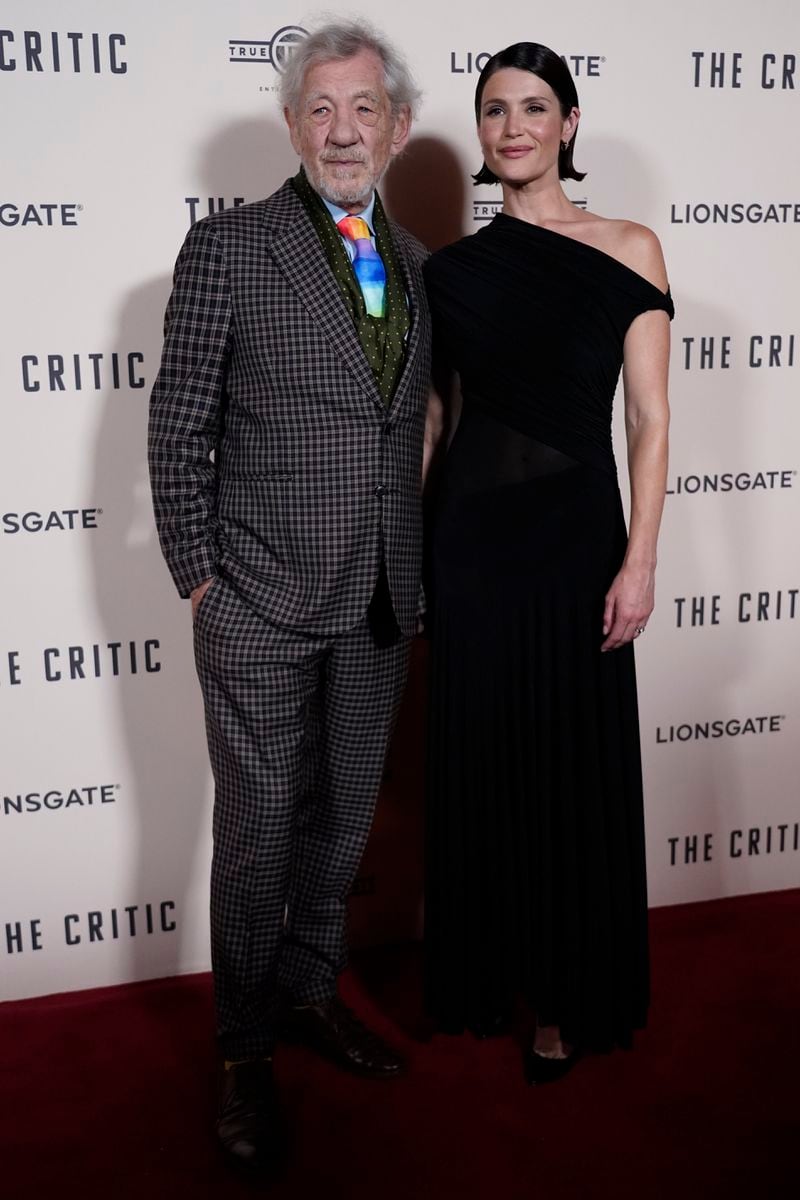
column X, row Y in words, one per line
column 381, row 490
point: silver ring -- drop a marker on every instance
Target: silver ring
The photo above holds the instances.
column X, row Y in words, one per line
column 639, row 629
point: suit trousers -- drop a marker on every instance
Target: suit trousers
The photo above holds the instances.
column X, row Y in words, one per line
column 298, row 728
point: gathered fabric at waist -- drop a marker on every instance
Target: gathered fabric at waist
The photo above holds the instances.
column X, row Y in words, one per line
column 487, row 453
column 511, row 412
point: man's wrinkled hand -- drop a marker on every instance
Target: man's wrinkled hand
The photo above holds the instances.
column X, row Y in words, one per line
column 199, row 592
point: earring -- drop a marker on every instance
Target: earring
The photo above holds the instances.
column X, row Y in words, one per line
column 565, row 145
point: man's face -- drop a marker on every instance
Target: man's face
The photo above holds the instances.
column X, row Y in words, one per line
column 344, row 130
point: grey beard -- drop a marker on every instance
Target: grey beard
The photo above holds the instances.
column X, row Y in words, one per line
column 343, row 191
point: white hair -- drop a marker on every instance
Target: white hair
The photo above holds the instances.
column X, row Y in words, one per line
column 344, row 39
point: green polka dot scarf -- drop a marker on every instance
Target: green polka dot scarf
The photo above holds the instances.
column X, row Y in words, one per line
column 383, row 339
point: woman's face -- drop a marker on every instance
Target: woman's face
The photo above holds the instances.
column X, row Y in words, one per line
column 521, row 127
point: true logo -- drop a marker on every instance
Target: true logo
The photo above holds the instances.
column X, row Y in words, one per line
column 274, row 53
column 485, row 210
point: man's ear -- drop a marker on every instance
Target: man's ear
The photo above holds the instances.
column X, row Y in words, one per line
column 402, row 129
column 291, row 121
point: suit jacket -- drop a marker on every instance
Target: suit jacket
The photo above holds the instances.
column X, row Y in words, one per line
column 273, row 459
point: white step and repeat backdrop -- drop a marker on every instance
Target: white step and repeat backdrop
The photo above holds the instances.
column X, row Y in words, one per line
column 123, row 122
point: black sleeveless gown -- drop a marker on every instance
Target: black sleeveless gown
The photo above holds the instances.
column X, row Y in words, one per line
column 535, row 856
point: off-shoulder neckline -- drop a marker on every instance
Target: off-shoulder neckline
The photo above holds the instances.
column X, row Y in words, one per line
column 564, row 237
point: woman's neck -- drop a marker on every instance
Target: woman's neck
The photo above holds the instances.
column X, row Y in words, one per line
column 538, row 202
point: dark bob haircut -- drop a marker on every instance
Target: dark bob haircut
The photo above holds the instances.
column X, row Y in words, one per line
column 541, row 61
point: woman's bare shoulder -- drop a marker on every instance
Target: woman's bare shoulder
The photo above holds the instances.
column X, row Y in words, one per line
column 632, row 244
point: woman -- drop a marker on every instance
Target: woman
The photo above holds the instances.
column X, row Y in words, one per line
column 536, row 857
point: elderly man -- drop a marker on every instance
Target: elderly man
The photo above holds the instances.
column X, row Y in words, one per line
column 286, row 437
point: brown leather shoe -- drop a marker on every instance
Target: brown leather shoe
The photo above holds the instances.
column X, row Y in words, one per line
column 249, row 1128
column 335, row 1032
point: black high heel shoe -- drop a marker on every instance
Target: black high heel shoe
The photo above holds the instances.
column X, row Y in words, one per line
column 539, row 1070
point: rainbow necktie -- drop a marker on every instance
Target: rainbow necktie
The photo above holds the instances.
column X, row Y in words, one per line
column 367, row 264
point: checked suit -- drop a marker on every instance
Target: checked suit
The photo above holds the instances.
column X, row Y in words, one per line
column 278, row 470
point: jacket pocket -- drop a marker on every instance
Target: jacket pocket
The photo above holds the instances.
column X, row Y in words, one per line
column 260, row 476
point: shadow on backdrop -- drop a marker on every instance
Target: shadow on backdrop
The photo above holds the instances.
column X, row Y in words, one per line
column 158, row 713
column 249, row 159
column 424, row 191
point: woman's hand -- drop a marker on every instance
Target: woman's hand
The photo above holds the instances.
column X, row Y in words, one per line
column 629, row 603
column 631, row 597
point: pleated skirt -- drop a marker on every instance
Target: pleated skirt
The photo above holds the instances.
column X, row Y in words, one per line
column 535, row 854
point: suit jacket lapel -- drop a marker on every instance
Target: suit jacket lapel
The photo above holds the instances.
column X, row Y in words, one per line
column 300, row 257
column 415, row 289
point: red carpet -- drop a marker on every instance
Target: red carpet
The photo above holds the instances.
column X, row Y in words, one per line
column 110, row 1093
